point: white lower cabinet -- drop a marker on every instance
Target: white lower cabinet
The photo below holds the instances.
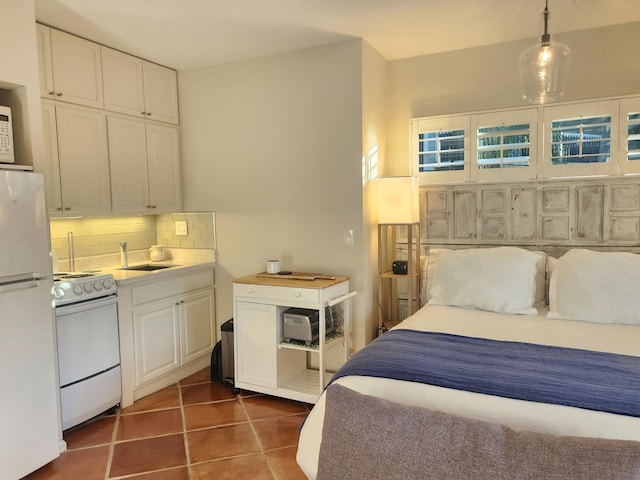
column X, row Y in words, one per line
column 266, row 361
column 172, row 331
column 156, row 330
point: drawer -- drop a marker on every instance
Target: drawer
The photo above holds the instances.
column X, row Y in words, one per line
column 171, row 287
column 278, row 294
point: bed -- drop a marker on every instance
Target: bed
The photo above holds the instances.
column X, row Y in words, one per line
column 584, row 302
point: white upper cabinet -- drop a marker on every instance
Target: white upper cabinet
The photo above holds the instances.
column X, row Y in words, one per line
column 145, row 166
column 70, row 68
column 77, row 171
column 136, row 87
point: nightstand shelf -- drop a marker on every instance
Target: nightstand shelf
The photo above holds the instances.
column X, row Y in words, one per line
column 398, row 294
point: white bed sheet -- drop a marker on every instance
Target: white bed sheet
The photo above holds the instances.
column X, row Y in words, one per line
column 517, row 414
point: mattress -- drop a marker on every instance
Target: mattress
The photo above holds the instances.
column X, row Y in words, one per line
column 517, row 414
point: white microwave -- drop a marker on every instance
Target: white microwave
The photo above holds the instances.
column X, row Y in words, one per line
column 6, row 136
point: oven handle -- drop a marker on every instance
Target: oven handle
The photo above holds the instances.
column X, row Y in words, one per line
column 86, row 305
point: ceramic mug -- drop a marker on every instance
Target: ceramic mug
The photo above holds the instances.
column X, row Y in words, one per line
column 273, row 266
column 156, row 253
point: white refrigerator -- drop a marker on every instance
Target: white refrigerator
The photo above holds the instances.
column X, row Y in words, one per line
column 30, row 431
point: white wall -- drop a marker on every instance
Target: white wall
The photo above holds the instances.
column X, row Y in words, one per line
column 604, row 63
column 273, row 145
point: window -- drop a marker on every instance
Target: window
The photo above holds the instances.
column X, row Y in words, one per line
column 441, row 151
column 504, row 146
column 581, row 140
column 629, row 138
column 633, row 136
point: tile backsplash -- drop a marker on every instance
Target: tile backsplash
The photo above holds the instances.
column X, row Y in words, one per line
column 93, row 236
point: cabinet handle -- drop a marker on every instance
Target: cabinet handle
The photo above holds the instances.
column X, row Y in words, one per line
column 148, row 206
column 52, row 93
column 67, row 208
column 59, row 209
column 148, row 114
column 143, row 113
column 58, row 94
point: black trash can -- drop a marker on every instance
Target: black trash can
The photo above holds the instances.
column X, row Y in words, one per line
column 227, row 353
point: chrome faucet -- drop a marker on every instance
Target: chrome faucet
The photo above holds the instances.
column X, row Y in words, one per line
column 123, row 254
column 71, row 252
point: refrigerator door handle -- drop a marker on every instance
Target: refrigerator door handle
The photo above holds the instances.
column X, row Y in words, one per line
column 19, row 282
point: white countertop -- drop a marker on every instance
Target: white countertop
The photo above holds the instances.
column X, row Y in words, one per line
column 129, row 277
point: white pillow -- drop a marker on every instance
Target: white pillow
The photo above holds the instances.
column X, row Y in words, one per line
column 501, row 279
column 599, row 287
column 542, row 278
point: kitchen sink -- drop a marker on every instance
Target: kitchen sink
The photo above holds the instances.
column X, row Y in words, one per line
column 147, row 267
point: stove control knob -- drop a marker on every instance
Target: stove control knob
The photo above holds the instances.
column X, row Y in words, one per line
column 97, row 286
column 88, row 288
column 77, row 289
column 106, row 284
column 58, row 292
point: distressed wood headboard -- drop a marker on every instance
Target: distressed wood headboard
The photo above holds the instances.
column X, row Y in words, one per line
column 593, row 212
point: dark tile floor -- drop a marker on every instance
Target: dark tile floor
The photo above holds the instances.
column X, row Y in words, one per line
column 193, row 430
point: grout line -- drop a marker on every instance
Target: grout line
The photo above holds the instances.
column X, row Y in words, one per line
column 255, row 434
column 112, row 445
column 184, row 431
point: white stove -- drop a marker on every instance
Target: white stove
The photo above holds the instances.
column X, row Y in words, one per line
column 88, row 345
column 75, row 287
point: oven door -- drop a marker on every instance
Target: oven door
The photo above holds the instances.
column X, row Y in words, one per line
column 88, row 341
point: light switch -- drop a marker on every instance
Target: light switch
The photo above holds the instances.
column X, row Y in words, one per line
column 348, row 238
column 181, row 227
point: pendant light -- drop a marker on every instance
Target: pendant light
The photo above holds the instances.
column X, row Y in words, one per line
column 543, row 67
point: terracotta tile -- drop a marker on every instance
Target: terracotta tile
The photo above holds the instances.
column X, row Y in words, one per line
column 269, row 407
column 206, row 415
column 202, row 376
column 284, row 465
column 166, row 398
column 221, row 442
column 249, row 467
column 279, row 432
column 206, row 392
column 180, row 473
column 90, row 434
column 149, row 424
column 87, row 464
column 137, row 456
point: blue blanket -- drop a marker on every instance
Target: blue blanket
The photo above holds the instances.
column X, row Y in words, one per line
column 565, row 376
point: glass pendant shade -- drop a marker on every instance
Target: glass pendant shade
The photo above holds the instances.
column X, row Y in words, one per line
column 543, row 70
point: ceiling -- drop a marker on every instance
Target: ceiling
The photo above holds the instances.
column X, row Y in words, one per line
column 193, row 33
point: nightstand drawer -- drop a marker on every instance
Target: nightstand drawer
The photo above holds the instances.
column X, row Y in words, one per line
column 280, row 294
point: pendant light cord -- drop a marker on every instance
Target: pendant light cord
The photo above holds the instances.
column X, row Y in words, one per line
column 546, row 38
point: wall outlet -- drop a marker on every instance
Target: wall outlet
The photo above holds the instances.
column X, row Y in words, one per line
column 181, row 227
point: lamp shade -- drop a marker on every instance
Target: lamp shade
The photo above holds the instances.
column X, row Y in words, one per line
column 398, row 200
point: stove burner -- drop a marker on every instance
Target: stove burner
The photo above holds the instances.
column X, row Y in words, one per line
column 65, row 276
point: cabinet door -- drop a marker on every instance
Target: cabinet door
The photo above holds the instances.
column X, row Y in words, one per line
column 255, row 344
column 160, row 93
column 84, row 160
column 196, row 312
column 49, row 164
column 128, row 160
column 77, row 70
column 123, row 84
column 156, row 340
column 163, row 158
column 44, row 60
